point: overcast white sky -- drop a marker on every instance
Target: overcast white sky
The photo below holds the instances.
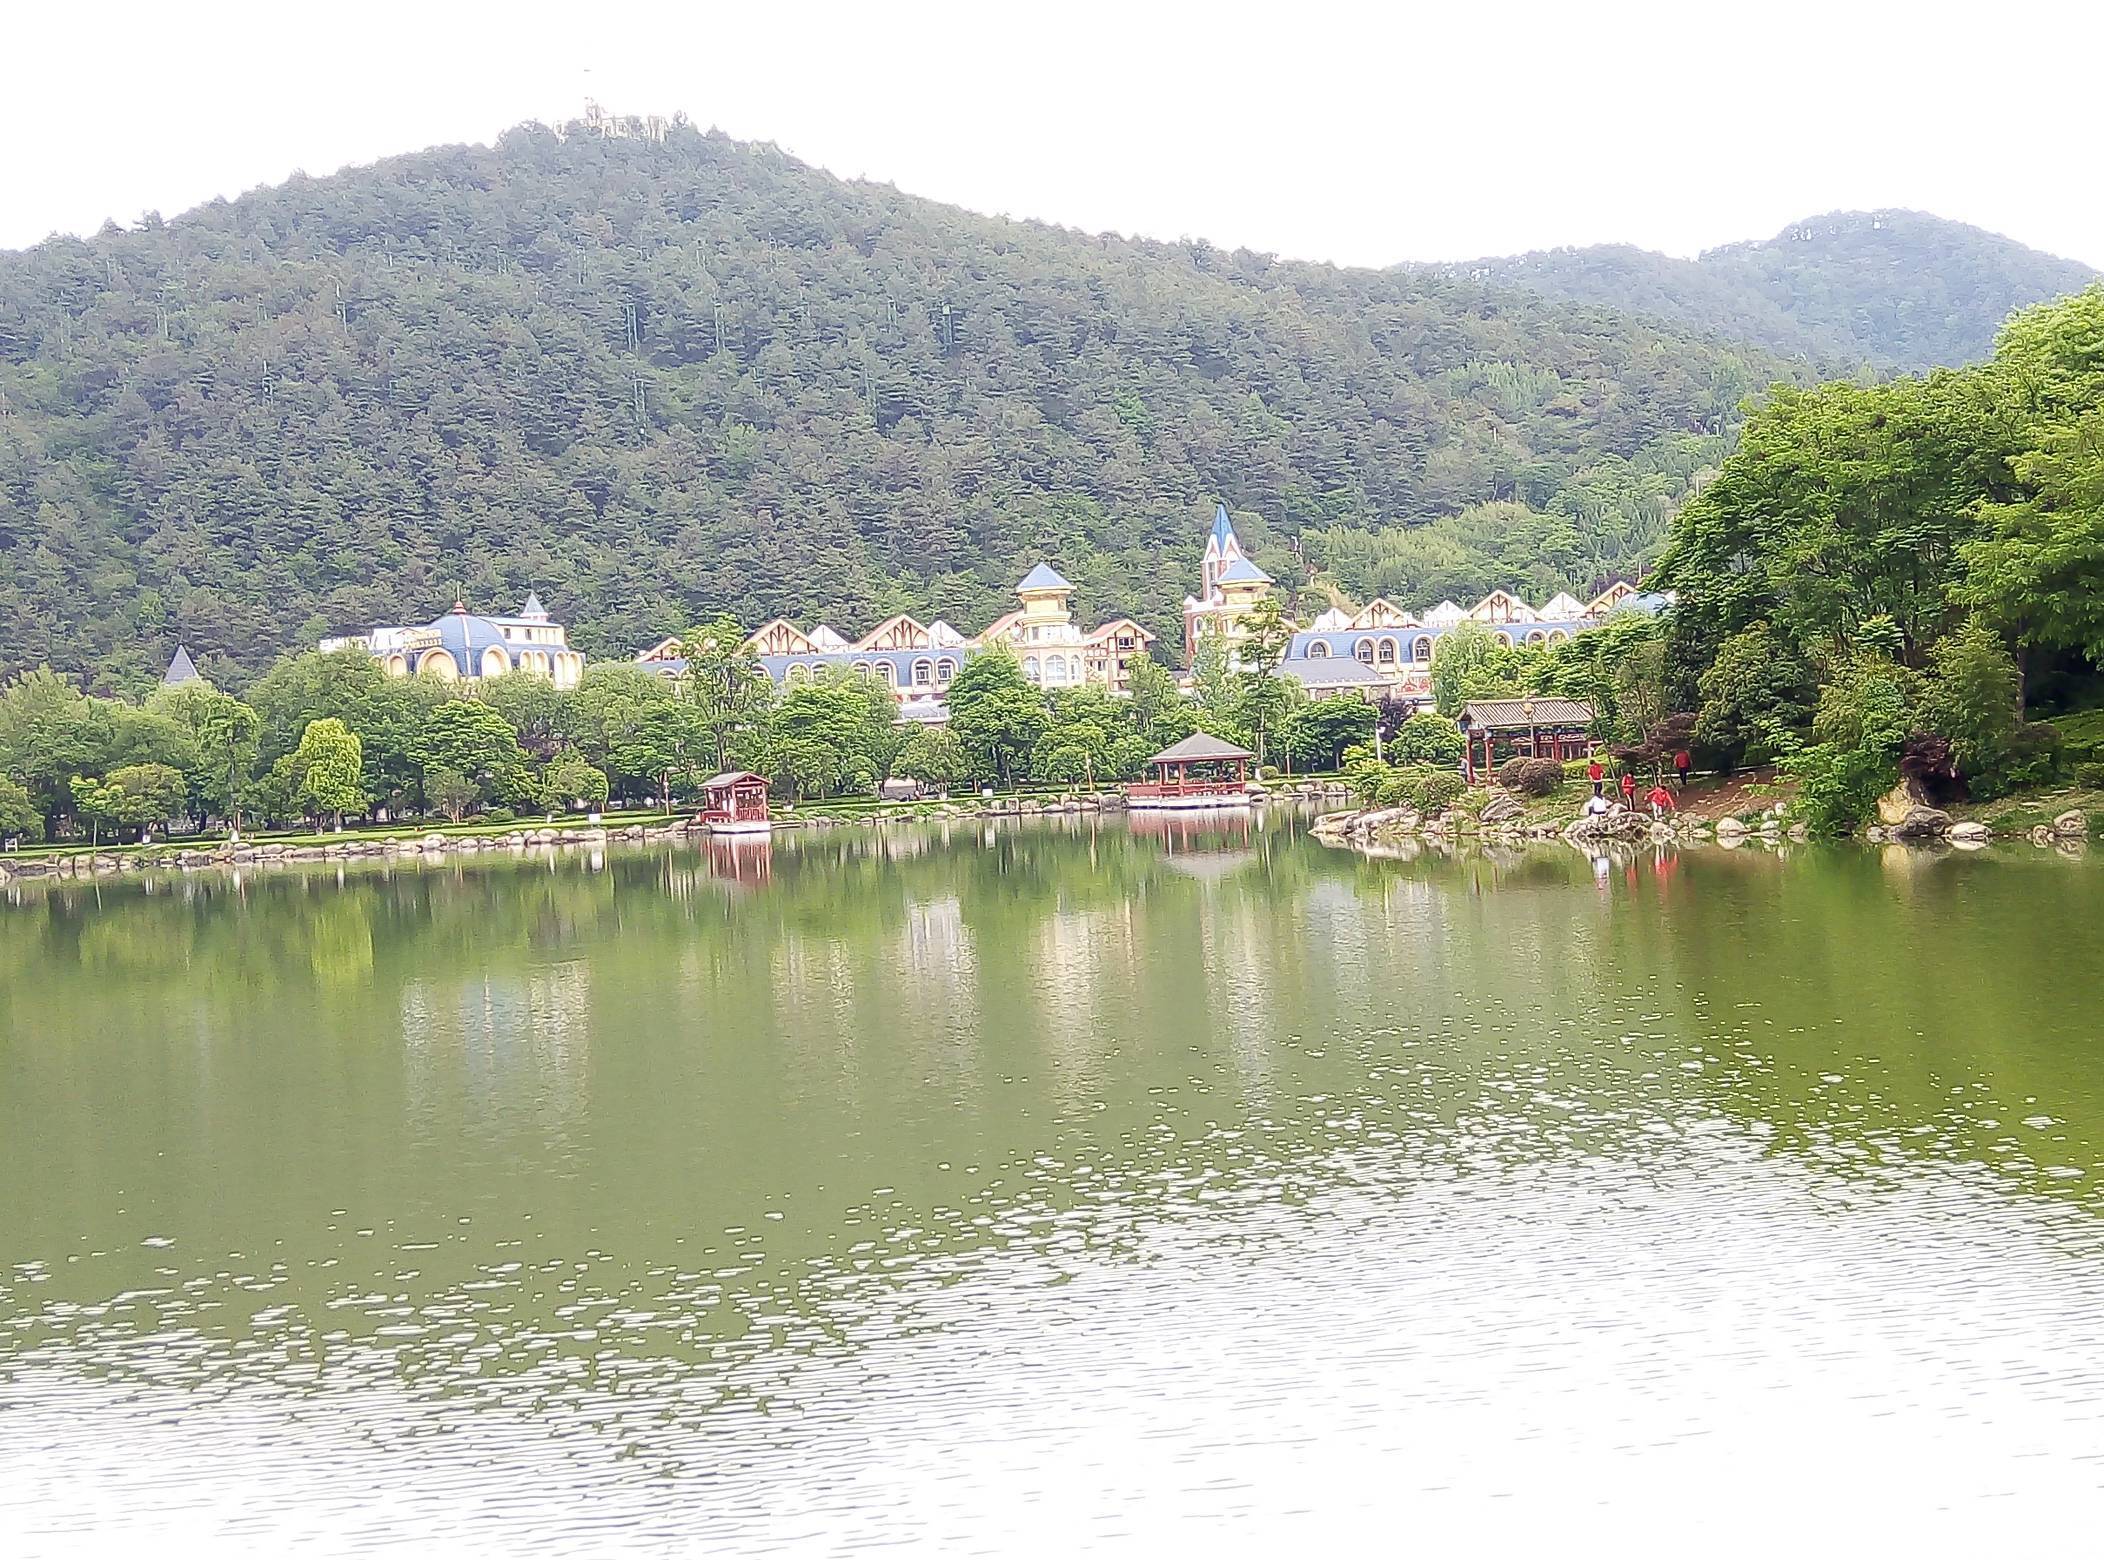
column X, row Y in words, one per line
column 1361, row 134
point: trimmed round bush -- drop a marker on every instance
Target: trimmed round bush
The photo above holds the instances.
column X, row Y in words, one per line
column 1531, row 776
column 1438, row 791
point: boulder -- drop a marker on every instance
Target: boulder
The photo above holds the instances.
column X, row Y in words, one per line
column 2071, row 825
column 1502, row 807
column 1617, row 823
column 2042, row 836
column 1922, row 823
column 1896, row 803
column 1731, row 829
column 1970, row 834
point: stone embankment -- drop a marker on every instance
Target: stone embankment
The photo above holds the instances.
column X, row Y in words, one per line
column 435, row 846
column 1505, row 819
column 1905, row 817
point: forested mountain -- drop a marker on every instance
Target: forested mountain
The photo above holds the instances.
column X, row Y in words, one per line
column 653, row 374
column 1892, row 289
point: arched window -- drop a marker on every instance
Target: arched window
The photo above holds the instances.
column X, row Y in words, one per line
column 799, row 673
column 1421, row 648
column 1537, row 637
column 1319, row 651
column 1388, row 652
column 1032, row 670
column 945, row 669
column 1363, row 651
column 1557, row 635
column 1504, row 639
column 923, row 673
column 889, row 672
column 864, row 669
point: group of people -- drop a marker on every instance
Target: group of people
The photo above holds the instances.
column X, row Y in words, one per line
column 1658, row 797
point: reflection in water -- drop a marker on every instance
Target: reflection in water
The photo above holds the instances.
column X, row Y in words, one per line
column 1049, row 1187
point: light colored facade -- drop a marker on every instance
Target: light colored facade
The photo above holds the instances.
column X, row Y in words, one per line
column 1382, row 651
column 1229, row 589
column 918, row 661
column 465, row 647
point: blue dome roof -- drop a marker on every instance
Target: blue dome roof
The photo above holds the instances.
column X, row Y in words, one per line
column 467, row 636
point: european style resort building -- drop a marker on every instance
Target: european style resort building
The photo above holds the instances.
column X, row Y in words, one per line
column 463, row 647
column 918, row 661
column 1376, row 651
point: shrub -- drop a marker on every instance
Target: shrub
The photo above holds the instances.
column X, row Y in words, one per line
column 2090, row 776
column 1267, row 771
column 1400, row 787
column 498, row 815
column 1531, row 776
column 1426, row 738
column 1437, row 791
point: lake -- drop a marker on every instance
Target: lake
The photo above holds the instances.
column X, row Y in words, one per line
column 1050, row 1187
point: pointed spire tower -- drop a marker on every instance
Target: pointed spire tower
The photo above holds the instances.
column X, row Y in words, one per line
column 1222, row 547
column 181, row 669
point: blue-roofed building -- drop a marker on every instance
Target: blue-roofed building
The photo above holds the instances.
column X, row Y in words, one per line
column 1393, row 649
column 1229, row 588
column 463, row 646
column 918, row 661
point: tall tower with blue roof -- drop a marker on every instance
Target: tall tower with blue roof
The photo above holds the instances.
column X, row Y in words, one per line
column 1222, row 547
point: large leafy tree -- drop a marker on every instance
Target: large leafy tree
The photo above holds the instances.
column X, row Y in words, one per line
column 997, row 715
column 727, row 686
column 330, row 763
column 1843, row 504
column 465, row 737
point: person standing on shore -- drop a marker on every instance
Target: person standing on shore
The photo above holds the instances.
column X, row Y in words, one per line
column 1629, row 789
column 1680, row 767
column 1598, row 775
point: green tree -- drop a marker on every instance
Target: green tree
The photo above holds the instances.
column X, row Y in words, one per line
column 726, row 684
column 670, row 745
column 450, row 791
column 1427, row 738
column 1460, row 657
column 997, row 717
column 1755, row 697
column 931, row 755
column 224, row 734
column 538, row 712
column 572, row 782
column 49, row 733
column 330, row 761
column 19, row 817
column 467, row 738
column 1159, row 712
column 1973, row 697
column 1316, row 734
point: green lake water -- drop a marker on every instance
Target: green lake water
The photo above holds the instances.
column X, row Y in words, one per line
column 1049, row 1188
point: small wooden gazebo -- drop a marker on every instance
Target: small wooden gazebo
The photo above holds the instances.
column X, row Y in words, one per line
column 1530, row 727
column 1200, row 771
column 736, row 803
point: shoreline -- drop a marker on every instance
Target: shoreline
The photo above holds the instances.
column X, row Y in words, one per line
column 86, row 864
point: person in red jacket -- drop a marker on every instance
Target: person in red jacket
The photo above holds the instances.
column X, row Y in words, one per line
column 1596, row 774
column 1661, row 800
column 1680, row 767
column 1629, row 790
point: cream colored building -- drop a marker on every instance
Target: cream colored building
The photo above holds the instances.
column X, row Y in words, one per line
column 465, row 647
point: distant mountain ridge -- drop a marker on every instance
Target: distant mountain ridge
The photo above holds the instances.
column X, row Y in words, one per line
column 653, row 374
column 1898, row 290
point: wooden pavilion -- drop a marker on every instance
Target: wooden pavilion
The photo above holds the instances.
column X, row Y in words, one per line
column 1534, row 727
column 1200, row 771
column 736, row 803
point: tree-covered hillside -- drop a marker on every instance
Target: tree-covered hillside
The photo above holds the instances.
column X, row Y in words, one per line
column 1892, row 289
column 658, row 376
